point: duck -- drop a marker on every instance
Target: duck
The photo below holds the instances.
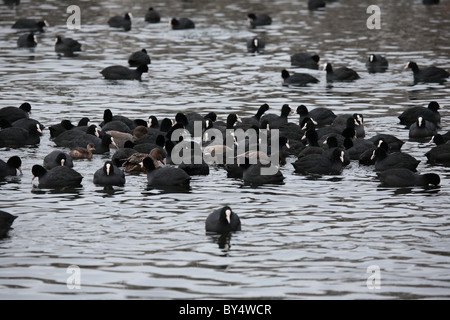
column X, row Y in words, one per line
column 57, row 158
column 139, row 58
column 165, row 176
column 6, row 221
column 118, row 72
column 58, row 177
column 305, row 60
column 297, row 79
column 376, row 63
column 223, row 220
column 429, row 113
column 121, row 21
column 11, row 167
column 340, row 74
column 152, row 16
column 181, row 24
column 430, row 74
column 27, row 41
column 259, row 20
column 403, row 178
column 133, row 163
column 109, row 175
column 79, row 153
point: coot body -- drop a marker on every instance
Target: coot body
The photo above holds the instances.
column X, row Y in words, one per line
column 223, row 220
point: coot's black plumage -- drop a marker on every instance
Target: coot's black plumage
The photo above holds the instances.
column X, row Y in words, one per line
column 181, row 24
column 276, row 121
column 254, row 175
column 16, row 137
column 6, row 221
column 152, row 16
column 422, row 129
column 121, row 22
column 376, row 63
column 402, row 178
column 223, row 220
column 27, row 41
column 165, row 176
column 320, row 163
column 385, row 161
column 394, row 143
column 430, row 113
column 256, row 45
column 124, row 73
column 30, row 24
column 58, row 177
column 440, row 154
column 12, row 114
column 316, row 4
column 322, row 116
column 297, row 79
column 259, row 20
column 57, row 158
column 340, row 74
column 67, row 46
column 109, row 175
column 139, row 58
column 248, row 122
column 10, row 167
column 305, row 60
column 430, row 74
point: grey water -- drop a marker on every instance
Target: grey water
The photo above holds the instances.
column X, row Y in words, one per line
column 310, row 238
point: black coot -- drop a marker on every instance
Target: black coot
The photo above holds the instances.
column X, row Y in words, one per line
column 429, row 74
column 30, row 24
column 320, row 163
column 422, row 129
column 340, row 74
column 109, row 175
column 305, row 60
column 316, row 4
column 440, row 154
column 376, row 63
column 121, row 22
column 259, row 174
column 12, row 114
column 223, row 220
column 181, row 24
column 276, row 121
column 165, row 176
column 259, row 20
column 67, row 46
column 139, row 58
column 124, row 73
column 256, row 45
column 321, row 116
column 430, row 113
column 297, row 79
column 58, row 177
column 16, row 137
column 385, row 161
column 6, row 221
column 248, row 122
column 11, row 167
column 57, row 158
column 152, row 16
column 27, row 41
column 402, row 178
column 394, row 143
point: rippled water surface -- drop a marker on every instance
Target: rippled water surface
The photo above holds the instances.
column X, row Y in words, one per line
column 308, row 238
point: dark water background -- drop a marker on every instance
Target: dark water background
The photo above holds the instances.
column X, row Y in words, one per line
column 309, row 238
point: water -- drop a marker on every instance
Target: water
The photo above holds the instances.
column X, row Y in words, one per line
column 309, row 238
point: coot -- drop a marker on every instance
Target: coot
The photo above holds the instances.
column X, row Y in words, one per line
column 430, row 113
column 322, row 116
column 385, row 161
column 259, row 20
column 11, row 167
column 320, row 164
column 27, row 41
column 422, row 129
column 165, row 176
column 30, row 24
column 181, row 24
column 152, row 16
column 124, row 73
column 16, row 137
column 256, row 45
column 139, row 58
column 12, row 114
column 121, row 22
column 58, row 177
column 67, row 46
column 109, row 175
column 440, row 154
column 376, row 63
column 275, row 121
column 429, row 74
column 402, row 178
column 305, row 60
column 223, row 220
column 340, row 74
column 297, row 79
column 57, row 158
column 316, row 4
column 6, row 220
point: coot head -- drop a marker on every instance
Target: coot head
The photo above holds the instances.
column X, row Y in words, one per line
column 26, row 107
column 38, row 171
column 302, row 110
column 148, row 164
column 15, row 162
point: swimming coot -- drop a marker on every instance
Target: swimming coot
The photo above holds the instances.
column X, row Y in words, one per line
column 16, row 137
column 430, row 113
column 385, row 161
column 57, row 158
column 152, row 16
column 6, row 221
column 256, row 45
column 165, row 176
column 429, row 74
column 124, row 73
column 376, row 63
column 67, row 46
column 30, row 24
column 320, row 163
column 440, row 154
column 422, row 129
column 58, row 177
column 259, row 20
column 340, row 74
column 181, row 24
column 223, row 220
column 27, row 41
column 305, row 60
column 297, row 79
column 274, row 121
column 11, row 167
column 139, row 58
column 12, row 114
column 322, row 116
column 316, row 4
column 109, row 175
column 121, row 22
column 248, row 122
column 402, row 178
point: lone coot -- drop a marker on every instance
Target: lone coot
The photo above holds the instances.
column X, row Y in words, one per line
column 297, row 79
column 422, row 129
column 121, row 22
column 12, row 114
column 27, row 41
column 259, row 20
column 6, row 221
column 152, row 16
column 316, row 4
column 67, row 46
column 385, row 161
column 11, row 167
column 401, row 178
column 429, row 74
column 223, row 220
column 124, row 73
column 139, row 58
column 58, row 177
column 109, row 175
column 30, row 24
column 340, row 74
column 256, row 45
column 376, row 63
column 57, row 158
column 305, row 60
column 181, row 24
column 165, row 176
column 430, row 113
column 320, row 163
